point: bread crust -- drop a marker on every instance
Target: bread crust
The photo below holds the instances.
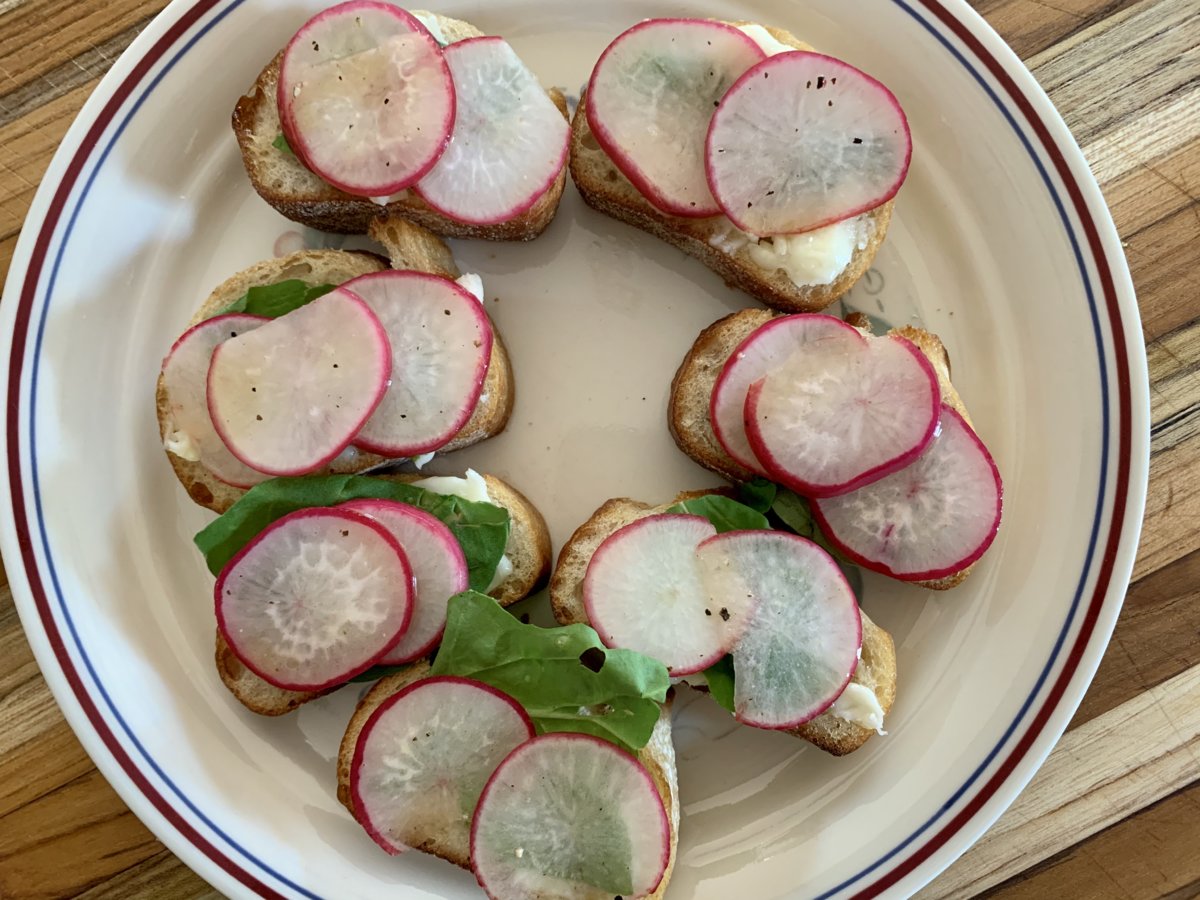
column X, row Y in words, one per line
column 876, row 670
column 302, row 196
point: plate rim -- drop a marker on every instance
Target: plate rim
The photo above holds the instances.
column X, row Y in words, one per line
column 951, row 839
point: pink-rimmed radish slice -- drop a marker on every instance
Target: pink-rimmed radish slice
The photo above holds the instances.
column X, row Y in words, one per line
column 365, row 97
column 569, row 816
column 643, row 592
column 650, row 100
column 801, row 644
column 438, row 564
column 929, row 520
column 423, row 758
column 289, row 396
column 441, row 342
column 317, row 597
column 804, row 140
column 842, row 413
column 509, row 141
column 185, row 379
column 764, row 349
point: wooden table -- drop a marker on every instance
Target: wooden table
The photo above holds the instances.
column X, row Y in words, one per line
column 1116, row 810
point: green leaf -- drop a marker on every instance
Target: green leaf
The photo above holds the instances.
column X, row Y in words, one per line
column 720, row 681
column 724, row 513
column 565, row 678
column 480, row 528
column 275, row 300
column 793, row 511
column 758, row 494
column 281, row 143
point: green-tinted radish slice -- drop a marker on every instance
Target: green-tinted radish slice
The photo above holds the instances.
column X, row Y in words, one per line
column 438, row 564
column 423, row 758
column 929, row 520
column 365, row 97
column 316, row 598
column 804, row 140
column 643, row 592
column 441, row 342
column 289, row 396
column 840, row 414
column 509, row 141
column 650, row 100
column 190, row 431
column 569, row 817
column 802, row 643
column 763, row 350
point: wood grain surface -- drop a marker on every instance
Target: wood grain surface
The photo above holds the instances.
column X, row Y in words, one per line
column 1115, row 812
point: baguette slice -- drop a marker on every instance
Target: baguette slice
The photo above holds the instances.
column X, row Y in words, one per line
column 302, row 196
column 658, row 756
column 410, row 247
column 691, row 391
column 876, row 670
column 528, row 549
column 607, row 190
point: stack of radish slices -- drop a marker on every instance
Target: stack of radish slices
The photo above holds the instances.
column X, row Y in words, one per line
column 898, row 480
column 392, row 362
column 371, row 103
column 670, row 587
column 703, row 122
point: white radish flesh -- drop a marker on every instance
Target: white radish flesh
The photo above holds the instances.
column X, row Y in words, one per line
column 929, row 520
column 185, row 379
column 441, row 342
column 365, row 97
column 569, row 817
column 842, row 413
column 765, row 349
column 438, row 564
column 643, row 592
column 651, row 98
column 289, row 396
column 509, row 141
column 804, row 140
column 316, row 598
column 424, row 756
column 801, row 645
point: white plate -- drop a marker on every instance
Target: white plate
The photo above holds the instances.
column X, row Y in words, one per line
column 1001, row 243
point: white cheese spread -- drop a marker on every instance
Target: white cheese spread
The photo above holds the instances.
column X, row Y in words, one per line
column 472, row 284
column 764, row 39
column 859, row 705
column 182, row 445
column 811, row 258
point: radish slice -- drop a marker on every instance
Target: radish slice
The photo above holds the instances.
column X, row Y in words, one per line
column 650, row 100
column 643, row 592
column 438, row 564
column 441, row 342
column 843, row 412
column 316, row 598
column 569, row 816
column 929, row 520
column 288, row 397
column 185, row 378
column 509, row 141
column 764, row 349
column 802, row 642
column 424, row 756
column 804, row 140
column 365, row 97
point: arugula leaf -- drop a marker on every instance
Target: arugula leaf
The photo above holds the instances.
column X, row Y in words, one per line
column 758, row 494
column 274, row 300
column 564, row 677
column 281, row 143
column 480, row 528
column 724, row 513
column 793, row 511
column 720, row 681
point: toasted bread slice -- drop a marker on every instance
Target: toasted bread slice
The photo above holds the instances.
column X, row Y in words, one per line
column 876, row 670
column 410, row 247
column 528, row 549
column 302, row 196
column 692, row 387
column 658, row 756
column 606, row 189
